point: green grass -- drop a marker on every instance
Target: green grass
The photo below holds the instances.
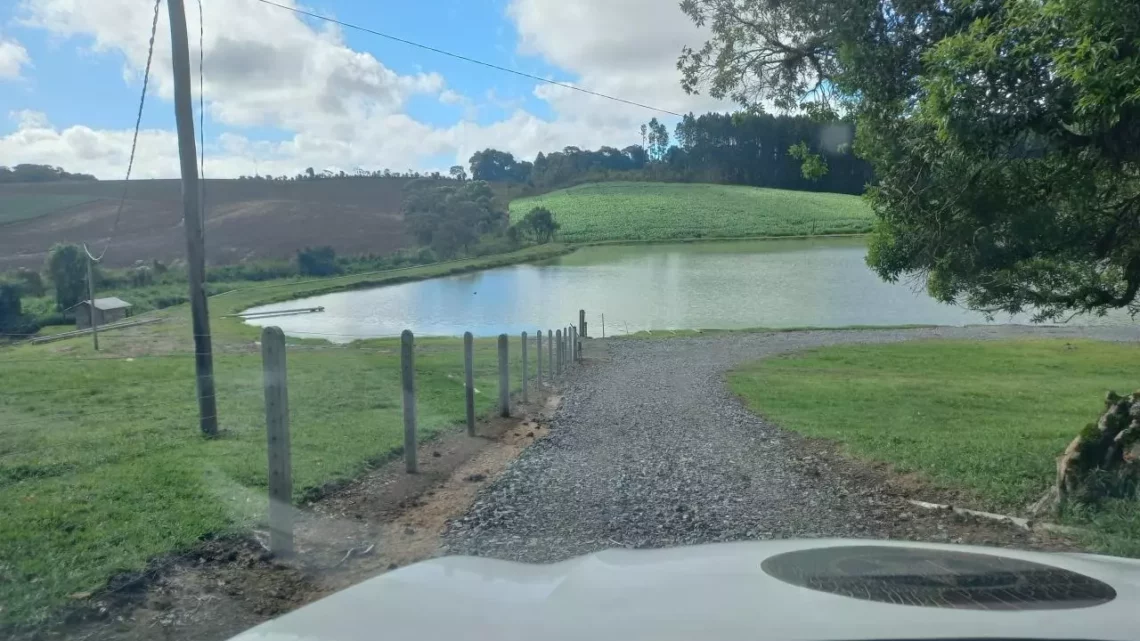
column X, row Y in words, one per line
column 985, row 417
column 638, row 211
column 688, row 333
column 101, row 464
column 17, row 207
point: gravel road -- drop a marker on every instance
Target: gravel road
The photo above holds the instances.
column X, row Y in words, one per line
column 650, row 449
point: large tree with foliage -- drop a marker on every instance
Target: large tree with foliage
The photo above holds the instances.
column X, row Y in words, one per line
column 67, row 269
column 448, row 215
column 1003, row 133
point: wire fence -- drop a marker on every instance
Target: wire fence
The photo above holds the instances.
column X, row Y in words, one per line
column 126, row 426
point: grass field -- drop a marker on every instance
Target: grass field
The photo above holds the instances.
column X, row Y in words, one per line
column 101, row 464
column 17, row 207
column 662, row 211
column 986, row 417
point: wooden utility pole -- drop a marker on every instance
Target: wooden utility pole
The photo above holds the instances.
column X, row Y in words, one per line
column 192, row 221
column 91, row 301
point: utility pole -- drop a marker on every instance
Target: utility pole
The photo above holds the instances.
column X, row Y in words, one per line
column 192, row 220
column 91, row 300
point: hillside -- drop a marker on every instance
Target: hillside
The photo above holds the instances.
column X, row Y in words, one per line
column 244, row 219
column 663, row 211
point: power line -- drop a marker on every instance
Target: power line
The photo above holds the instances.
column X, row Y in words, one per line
column 134, row 139
column 467, row 59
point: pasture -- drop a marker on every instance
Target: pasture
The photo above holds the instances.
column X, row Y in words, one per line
column 986, row 418
column 637, row 211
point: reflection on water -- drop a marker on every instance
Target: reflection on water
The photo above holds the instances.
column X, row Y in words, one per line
column 724, row 285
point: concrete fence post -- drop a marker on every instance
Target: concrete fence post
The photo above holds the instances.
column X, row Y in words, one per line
column 469, row 379
column 277, row 430
column 525, row 399
column 408, row 384
column 538, row 370
column 504, row 377
column 550, row 353
column 558, row 335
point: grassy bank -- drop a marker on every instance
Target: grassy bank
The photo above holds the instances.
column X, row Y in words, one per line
column 686, row 333
column 665, row 211
column 101, row 464
column 985, row 417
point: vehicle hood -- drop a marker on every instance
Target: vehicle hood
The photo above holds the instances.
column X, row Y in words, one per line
column 716, row 591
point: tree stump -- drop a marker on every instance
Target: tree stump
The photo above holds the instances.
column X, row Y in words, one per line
column 1102, row 461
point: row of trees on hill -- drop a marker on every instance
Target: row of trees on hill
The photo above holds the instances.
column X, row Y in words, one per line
column 312, row 174
column 27, row 173
column 786, row 152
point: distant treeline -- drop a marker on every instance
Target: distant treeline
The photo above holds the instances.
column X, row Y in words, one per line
column 38, row 174
column 740, row 148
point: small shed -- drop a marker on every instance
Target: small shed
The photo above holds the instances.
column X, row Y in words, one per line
column 106, row 310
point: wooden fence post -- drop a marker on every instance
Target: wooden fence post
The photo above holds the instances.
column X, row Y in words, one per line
column 558, row 335
column 525, row 399
column 504, row 377
column 538, row 372
column 469, row 380
column 408, row 374
column 277, row 429
column 581, row 322
column 550, row 353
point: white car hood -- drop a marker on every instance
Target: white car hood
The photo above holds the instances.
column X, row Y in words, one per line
column 704, row 592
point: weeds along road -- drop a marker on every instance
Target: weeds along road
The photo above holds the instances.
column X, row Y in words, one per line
column 650, row 449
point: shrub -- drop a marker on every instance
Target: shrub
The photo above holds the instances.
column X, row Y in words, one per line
column 317, row 261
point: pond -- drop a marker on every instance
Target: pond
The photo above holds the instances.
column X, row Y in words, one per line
column 723, row 285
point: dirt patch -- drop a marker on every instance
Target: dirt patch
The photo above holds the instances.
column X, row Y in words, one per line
column 245, row 219
column 894, row 516
column 383, row 520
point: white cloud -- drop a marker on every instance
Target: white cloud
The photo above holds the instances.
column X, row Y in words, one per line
column 13, row 58
column 625, row 48
column 343, row 108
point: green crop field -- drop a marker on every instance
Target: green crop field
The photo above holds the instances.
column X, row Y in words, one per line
column 667, row 211
column 17, row 207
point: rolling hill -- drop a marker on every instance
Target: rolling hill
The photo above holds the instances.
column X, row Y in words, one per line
column 245, row 219
column 645, row 211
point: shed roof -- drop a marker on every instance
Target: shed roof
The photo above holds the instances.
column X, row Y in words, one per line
column 106, row 304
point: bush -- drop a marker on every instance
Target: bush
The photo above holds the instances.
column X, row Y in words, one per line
column 317, row 261
column 31, row 282
column 254, row 271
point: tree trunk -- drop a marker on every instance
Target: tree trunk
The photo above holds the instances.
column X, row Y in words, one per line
column 1102, row 461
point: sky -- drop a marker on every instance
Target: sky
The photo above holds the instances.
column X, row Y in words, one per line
column 284, row 92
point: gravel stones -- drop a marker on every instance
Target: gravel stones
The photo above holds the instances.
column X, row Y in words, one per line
column 650, row 449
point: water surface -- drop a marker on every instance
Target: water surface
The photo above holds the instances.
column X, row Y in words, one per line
column 722, row 285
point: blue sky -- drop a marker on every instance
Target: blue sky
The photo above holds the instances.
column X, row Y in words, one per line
column 284, row 91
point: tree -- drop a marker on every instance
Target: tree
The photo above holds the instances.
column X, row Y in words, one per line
column 1004, row 134
column 31, row 283
column 540, row 222
column 449, row 216
column 658, row 140
column 67, row 269
column 498, row 166
column 317, row 261
column 11, row 313
column 814, row 166
column 457, row 172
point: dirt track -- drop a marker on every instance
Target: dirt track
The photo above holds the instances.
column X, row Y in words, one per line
column 650, row 449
